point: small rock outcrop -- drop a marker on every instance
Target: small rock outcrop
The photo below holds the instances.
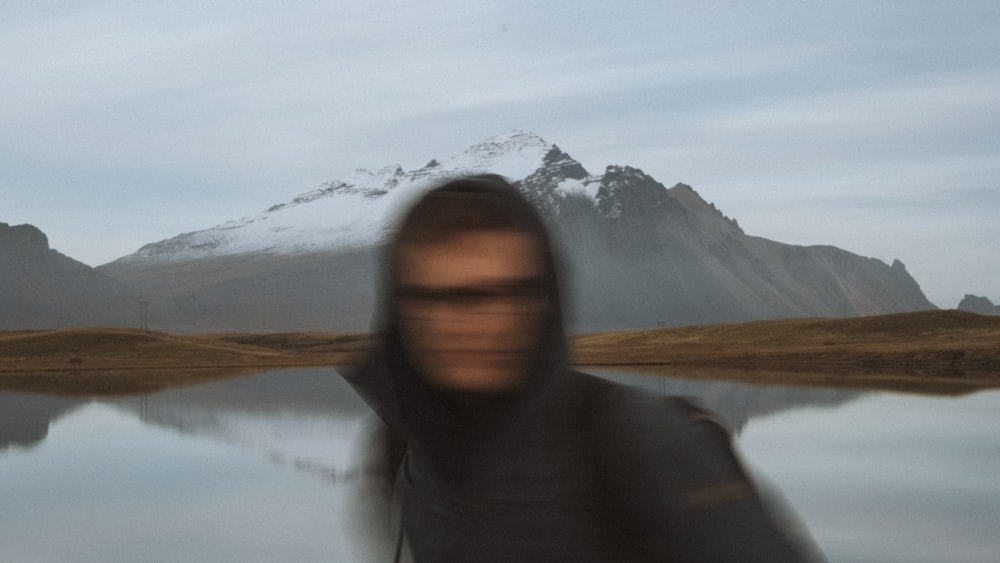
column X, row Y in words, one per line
column 978, row 305
column 40, row 288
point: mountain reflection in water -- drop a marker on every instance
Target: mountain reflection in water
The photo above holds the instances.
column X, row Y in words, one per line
column 25, row 417
column 273, row 467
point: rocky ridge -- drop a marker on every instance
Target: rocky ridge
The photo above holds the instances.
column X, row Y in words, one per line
column 41, row 288
column 978, row 305
column 639, row 254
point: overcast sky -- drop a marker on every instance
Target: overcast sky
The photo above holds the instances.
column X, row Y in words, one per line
column 871, row 126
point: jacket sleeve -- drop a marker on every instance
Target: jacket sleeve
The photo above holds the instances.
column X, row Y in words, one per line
column 677, row 487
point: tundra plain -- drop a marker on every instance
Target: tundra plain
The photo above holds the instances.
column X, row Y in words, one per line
column 932, row 351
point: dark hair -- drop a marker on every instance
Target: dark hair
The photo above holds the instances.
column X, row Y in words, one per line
column 475, row 203
column 466, row 205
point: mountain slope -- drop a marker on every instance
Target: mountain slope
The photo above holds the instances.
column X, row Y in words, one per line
column 343, row 214
column 639, row 254
column 41, row 288
column 978, row 304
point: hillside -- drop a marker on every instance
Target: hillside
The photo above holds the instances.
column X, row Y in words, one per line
column 979, row 305
column 97, row 361
column 953, row 346
column 923, row 350
column 41, row 288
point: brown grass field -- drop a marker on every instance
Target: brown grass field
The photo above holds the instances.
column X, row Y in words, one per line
column 933, row 351
column 930, row 351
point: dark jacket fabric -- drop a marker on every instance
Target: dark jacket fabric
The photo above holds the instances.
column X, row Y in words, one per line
column 569, row 467
column 574, row 468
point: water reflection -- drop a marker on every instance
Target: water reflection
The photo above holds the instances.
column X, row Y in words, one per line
column 221, row 472
column 25, row 417
column 890, row 478
column 272, row 467
column 276, row 409
column 303, row 418
column 736, row 403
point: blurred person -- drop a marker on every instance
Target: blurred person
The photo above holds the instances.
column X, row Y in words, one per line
column 506, row 454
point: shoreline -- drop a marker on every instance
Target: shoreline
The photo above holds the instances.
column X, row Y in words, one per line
column 121, row 380
column 934, row 351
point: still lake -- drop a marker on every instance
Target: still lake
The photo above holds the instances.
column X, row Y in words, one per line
column 272, row 467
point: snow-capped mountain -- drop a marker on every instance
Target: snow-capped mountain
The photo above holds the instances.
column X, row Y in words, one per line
column 640, row 254
column 351, row 212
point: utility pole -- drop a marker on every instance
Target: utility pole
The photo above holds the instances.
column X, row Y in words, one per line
column 144, row 315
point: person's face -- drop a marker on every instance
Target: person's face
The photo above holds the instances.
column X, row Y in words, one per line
column 471, row 309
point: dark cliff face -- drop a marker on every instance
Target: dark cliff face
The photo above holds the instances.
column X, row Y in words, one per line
column 629, row 195
column 22, row 240
column 41, row 288
column 643, row 255
column 542, row 186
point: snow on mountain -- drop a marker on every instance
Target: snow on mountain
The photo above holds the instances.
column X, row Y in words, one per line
column 515, row 155
column 640, row 253
column 352, row 212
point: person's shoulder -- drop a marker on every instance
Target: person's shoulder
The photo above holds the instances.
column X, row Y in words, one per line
column 654, row 440
column 632, row 408
column 371, row 380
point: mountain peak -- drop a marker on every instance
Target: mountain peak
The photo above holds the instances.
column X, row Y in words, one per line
column 514, row 154
column 22, row 239
column 626, row 190
column 642, row 253
column 515, row 140
column 979, row 305
column 705, row 211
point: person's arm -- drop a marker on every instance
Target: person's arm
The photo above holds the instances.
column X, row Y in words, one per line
column 366, row 507
column 674, row 480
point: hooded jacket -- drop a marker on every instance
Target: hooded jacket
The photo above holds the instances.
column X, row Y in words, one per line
column 569, row 467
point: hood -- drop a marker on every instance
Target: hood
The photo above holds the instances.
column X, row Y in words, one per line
column 398, row 393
